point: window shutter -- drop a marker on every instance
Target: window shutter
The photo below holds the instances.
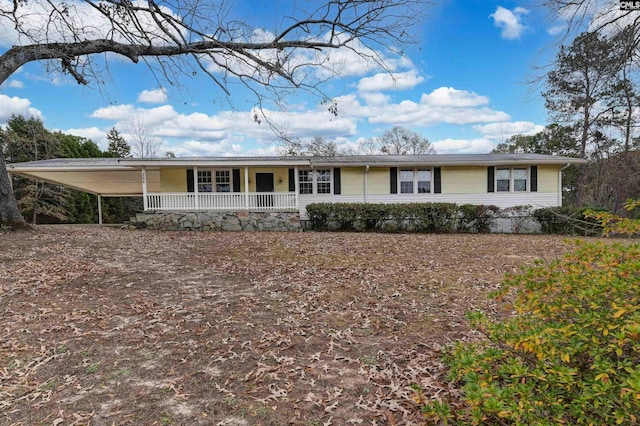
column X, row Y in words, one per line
column 437, row 180
column 292, row 180
column 491, row 174
column 190, row 187
column 393, row 181
column 534, row 178
column 336, row 181
column 236, row 180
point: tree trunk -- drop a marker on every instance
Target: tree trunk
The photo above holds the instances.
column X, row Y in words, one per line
column 9, row 214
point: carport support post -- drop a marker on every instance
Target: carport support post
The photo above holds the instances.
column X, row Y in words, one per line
column 99, row 209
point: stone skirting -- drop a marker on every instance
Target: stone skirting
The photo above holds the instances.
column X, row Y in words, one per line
column 220, row 221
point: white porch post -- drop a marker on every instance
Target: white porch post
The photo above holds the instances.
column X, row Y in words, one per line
column 246, row 187
column 99, row 209
column 195, row 189
column 144, row 189
column 296, row 179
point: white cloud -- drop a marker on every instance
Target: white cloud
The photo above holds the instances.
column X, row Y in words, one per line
column 224, row 133
column 18, row 106
column 463, row 146
column 390, row 81
column 204, row 149
column 509, row 21
column 504, row 130
column 557, row 29
column 14, row 84
column 442, row 105
column 97, row 135
column 156, row 96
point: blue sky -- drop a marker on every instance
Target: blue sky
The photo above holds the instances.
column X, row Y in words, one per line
column 464, row 86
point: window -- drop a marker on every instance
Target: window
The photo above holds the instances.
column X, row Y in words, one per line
column 503, row 180
column 223, row 181
column 306, row 181
column 415, row 181
column 519, row 180
column 204, row 181
column 406, row 181
column 315, row 181
column 323, row 181
column 424, row 181
column 512, row 179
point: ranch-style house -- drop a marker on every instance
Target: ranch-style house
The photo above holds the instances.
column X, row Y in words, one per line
column 289, row 184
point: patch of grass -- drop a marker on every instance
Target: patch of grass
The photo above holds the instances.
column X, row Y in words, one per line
column 123, row 372
column 50, row 384
column 93, row 368
column 368, row 360
column 167, row 419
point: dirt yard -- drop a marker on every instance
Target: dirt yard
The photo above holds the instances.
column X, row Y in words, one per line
column 108, row 326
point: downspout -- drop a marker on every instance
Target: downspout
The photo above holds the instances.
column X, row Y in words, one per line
column 366, row 182
column 560, row 183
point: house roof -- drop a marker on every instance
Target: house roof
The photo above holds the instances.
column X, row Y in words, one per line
column 359, row 160
column 89, row 164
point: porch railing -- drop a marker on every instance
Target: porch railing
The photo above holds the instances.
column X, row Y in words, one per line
column 221, row 201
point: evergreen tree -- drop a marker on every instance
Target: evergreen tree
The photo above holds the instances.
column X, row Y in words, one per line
column 118, row 146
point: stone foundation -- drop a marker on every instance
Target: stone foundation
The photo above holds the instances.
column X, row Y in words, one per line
column 220, row 221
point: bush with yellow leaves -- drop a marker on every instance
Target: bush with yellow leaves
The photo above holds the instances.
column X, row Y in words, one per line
column 570, row 355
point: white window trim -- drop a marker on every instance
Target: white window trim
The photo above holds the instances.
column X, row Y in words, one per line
column 215, row 183
column 211, row 182
column 314, row 181
column 512, row 178
column 415, row 180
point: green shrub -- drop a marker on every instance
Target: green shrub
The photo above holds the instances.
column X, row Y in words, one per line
column 568, row 221
column 318, row 214
column 412, row 217
column 474, row 218
column 571, row 355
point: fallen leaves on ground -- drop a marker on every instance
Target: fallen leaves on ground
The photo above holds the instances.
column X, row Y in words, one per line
column 108, row 326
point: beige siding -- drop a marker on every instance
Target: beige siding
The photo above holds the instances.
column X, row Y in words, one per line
column 548, row 178
column 464, row 180
column 120, row 182
column 173, row 180
column 378, row 181
column 352, row 180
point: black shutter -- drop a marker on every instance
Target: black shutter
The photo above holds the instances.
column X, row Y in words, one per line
column 534, row 178
column 437, row 180
column 393, row 180
column 336, row 181
column 190, row 187
column 491, row 175
column 236, row 180
column 292, row 180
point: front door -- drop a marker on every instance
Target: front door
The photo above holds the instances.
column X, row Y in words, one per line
column 264, row 183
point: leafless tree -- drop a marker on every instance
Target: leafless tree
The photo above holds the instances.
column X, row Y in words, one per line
column 187, row 38
column 606, row 17
column 400, row 141
column 144, row 144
